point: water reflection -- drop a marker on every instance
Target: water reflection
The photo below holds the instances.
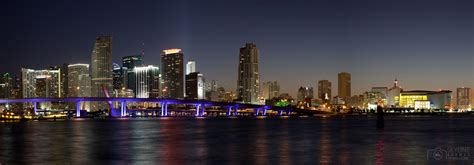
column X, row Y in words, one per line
column 223, row 141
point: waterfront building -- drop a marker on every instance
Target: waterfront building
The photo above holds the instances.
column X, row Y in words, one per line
column 344, row 85
column 324, row 91
column 147, row 81
column 437, row 99
column 63, row 69
column 172, row 74
column 6, row 86
column 463, row 98
column 270, row 90
column 118, row 75
column 381, row 95
column 393, row 95
column 79, row 83
column 128, row 65
column 305, row 95
column 101, row 71
column 195, row 88
column 248, row 84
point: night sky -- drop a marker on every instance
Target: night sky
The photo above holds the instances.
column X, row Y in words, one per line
column 426, row 44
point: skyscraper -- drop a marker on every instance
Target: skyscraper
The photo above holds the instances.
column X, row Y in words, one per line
column 305, row 93
column 195, row 86
column 118, row 77
column 79, row 83
column 190, row 67
column 6, row 86
column 172, row 74
column 101, row 70
column 147, row 81
column 324, row 90
column 248, row 84
column 128, row 64
column 271, row 90
column 463, row 98
column 63, row 69
column 41, row 83
column 344, row 85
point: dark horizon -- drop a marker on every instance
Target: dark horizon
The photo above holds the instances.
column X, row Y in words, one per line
column 426, row 45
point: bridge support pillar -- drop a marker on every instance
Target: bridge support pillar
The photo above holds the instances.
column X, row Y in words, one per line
column 256, row 111
column 34, row 107
column 123, row 108
column 288, row 112
column 197, row 109
column 280, row 112
column 264, row 111
column 229, row 110
column 78, row 109
column 164, row 108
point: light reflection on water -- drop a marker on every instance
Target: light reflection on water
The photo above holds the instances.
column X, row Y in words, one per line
column 232, row 141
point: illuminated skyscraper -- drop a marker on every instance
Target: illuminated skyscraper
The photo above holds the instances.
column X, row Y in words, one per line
column 63, row 69
column 271, row 90
column 147, row 81
column 172, row 74
column 305, row 93
column 463, row 98
column 190, row 67
column 79, row 84
column 128, row 65
column 344, row 85
column 101, row 70
column 195, row 86
column 6, row 86
column 324, row 90
column 41, row 83
column 248, row 84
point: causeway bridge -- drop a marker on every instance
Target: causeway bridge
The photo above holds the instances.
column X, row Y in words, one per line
column 202, row 107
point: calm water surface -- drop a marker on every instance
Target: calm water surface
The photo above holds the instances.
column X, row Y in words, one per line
column 335, row 140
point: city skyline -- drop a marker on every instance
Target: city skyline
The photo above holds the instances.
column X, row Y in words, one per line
column 399, row 43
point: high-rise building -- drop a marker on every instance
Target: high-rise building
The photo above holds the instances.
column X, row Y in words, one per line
column 128, row 64
column 324, row 90
column 344, row 85
column 195, row 86
column 172, row 74
column 63, row 69
column 305, row 93
column 118, row 77
column 393, row 96
column 190, row 67
column 101, row 70
column 41, row 83
column 248, row 84
column 147, row 81
column 79, row 84
column 6, row 86
column 271, row 90
column 463, row 98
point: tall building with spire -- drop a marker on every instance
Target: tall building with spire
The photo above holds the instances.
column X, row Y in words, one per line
column 248, row 84
column 172, row 74
column 393, row 96
column 101, row 70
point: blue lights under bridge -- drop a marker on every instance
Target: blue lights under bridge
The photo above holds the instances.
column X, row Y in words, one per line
column 200, row 106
